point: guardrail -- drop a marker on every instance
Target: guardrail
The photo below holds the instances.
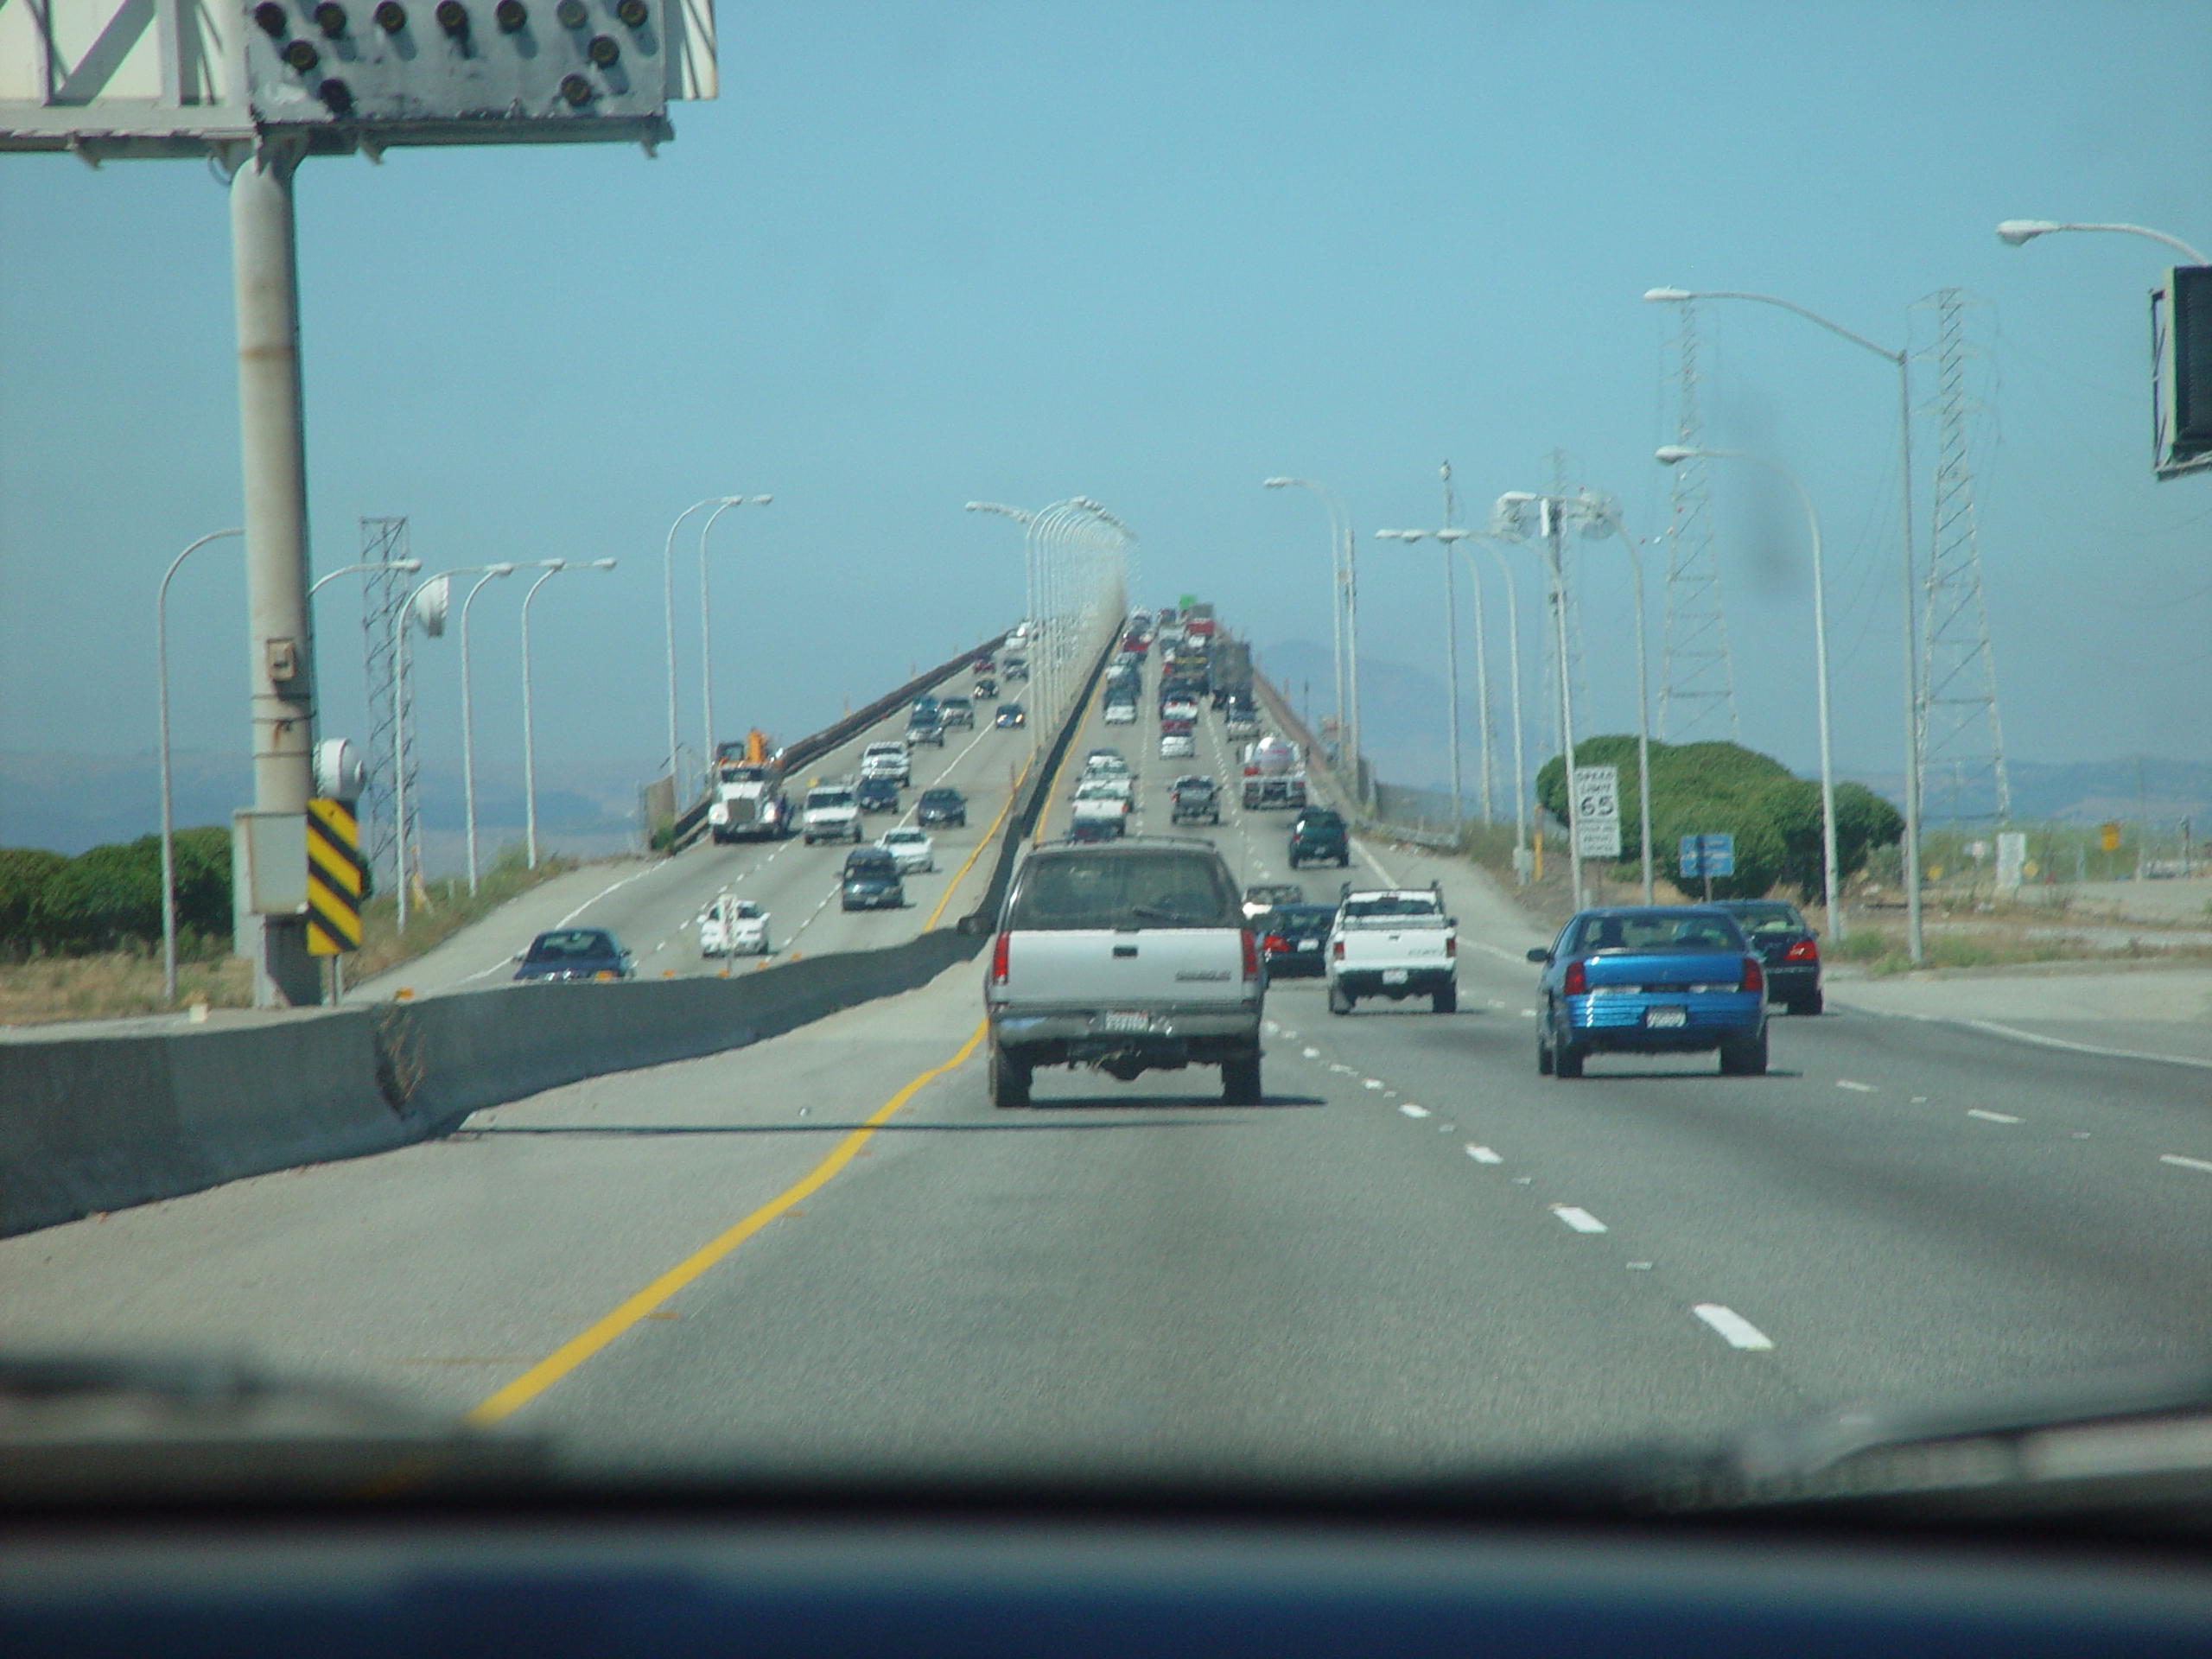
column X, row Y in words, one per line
column 692, row 823
column 1359, row 816
column 90, row 1124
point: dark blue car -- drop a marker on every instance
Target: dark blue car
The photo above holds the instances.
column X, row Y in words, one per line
column 876, row 794
column 575, row 953
column 1678, row 980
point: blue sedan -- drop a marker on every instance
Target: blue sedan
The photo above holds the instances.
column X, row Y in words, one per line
column 1627, row 981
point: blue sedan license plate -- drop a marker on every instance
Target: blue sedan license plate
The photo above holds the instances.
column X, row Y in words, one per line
column 1660, row 1018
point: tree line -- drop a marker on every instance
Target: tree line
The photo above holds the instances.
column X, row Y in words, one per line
column 110, row 898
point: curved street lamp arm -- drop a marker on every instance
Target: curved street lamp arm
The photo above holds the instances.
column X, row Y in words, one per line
column 2038, row 228
column 1810, row 316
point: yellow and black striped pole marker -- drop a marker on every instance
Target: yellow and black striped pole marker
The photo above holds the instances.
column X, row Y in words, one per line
column 333, row 878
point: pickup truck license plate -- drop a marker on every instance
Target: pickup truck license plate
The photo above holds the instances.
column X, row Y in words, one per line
column 1124, row 1022
column 1394, row 975
column 1666, row 1016
column 1309, row 944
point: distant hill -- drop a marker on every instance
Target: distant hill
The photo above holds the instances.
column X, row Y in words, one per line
column 68, row 801
column 1403, row 727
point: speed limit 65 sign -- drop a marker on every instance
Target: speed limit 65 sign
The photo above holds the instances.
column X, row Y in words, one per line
column 1597, row 811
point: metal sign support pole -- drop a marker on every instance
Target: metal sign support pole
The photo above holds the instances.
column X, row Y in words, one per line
column 272, row 447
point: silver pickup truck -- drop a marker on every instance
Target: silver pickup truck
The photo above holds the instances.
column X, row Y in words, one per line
column 1128, row 956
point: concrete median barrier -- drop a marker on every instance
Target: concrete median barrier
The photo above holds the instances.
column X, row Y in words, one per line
column 92, row 1124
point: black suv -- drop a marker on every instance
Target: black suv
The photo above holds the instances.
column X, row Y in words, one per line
column 942, row 805
column 1195, row 798
column 872, row 880
column 1790, row 949
column 1318, row 836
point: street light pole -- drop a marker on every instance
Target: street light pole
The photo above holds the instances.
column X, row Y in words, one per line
column 668, row 613
column 168, row 822
column 2019, row 232
column 1916, row 945
column 1598, row 515
column 707, row 632
column 1831, row 897
column 1339, row 533
column 491, row 573
column 552, row 567
column 1513, row 665
column 1451, row 651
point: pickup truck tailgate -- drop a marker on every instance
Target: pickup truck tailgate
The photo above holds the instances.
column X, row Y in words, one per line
column 1121, row 968
column 1394, row 946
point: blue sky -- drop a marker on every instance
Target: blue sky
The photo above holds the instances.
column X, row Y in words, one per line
column 920, row 254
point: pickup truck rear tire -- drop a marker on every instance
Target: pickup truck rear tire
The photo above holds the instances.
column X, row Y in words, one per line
column 1239, row 1081
column 1744, row 1058
column 1446, row 1001
column 1339, row 1002
column 1009, row 1080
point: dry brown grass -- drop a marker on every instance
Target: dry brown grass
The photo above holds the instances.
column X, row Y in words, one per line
column 113, row 984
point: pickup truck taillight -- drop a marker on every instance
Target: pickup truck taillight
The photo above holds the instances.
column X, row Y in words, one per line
column 1450, row 946
column 1576, row 982
column 1803, row 950
column 998, row 959
column 1251, row 953
column 1337, row 949
column 1754, row 976
column 1273, row 942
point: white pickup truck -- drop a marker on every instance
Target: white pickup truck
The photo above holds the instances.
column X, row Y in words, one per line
column 1396, row 943
column 831, row 813
column 1126, row 956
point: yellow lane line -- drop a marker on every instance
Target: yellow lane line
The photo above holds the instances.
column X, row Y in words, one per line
column 589, row 1342
column 954, row 885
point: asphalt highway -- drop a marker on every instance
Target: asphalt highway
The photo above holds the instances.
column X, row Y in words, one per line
column 653, row 906
column 829, row 1251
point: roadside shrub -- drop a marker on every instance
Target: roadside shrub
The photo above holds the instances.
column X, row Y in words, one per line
column 1726, row 789
column 24, row 872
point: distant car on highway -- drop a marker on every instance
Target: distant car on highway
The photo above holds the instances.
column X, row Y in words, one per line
column 924, row 729
column 1177, row 745
column 1318, row 836
column 831, row 813
column 1120, row 714
column 1293, row 939
column 1010, row 714
column 1194, row 795
column 910, row 849
column 575, row 953
column 1094, row 829
column 733, row 927
column 986, row 688
column 1787, row 945
column 942, row 805
column 1179, row 707
column 1264, row 896
column 876, row 794
column 956, row 711
column 1662, row 980
column 871, row 881
column 887, row 761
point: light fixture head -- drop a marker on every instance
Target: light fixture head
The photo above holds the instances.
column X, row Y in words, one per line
column 501, row 569
column 1671, row 455
column 411, row 566
column 602, row 565
column 1666, row 296
column 2018, row 231
column 1276, row 483
column 762, row 501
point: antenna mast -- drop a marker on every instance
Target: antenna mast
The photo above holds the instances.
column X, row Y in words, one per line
column 1697, row 678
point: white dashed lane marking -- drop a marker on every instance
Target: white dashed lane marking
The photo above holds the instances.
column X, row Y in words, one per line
column 1581, row 1220
column 1855, row 1087
column 1738, row 1332
column 1412, row 1111
column 1483, row 1154
column 1991, row 1117
column 2180, row 1162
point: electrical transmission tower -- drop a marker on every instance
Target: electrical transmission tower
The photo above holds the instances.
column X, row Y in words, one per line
column 1960, row 733
column 1577, row 680
column 1697, row 679
column 384, row 541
